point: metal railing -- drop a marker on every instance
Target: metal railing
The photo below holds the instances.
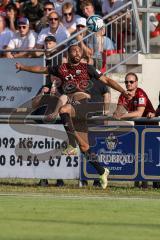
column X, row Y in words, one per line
column 123, row 36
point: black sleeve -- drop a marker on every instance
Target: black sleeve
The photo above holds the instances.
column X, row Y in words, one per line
column 93, row 72
column 53, row 70
column 106, row 89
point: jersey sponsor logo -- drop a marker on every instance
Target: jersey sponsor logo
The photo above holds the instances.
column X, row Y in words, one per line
column 141, row 100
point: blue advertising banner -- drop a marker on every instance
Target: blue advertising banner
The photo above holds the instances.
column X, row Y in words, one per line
column 150, row 146
column 130, row 153
column 116, row 149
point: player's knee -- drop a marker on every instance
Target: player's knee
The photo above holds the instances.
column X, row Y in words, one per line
column 64, row 110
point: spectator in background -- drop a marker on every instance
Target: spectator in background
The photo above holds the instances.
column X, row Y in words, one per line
column 109, row 6
column 33, row 10
column 59, row 3
column 43, row 23
column 3, row 4
column 87, row 8
column 138, row 105
column 12, row 15
column 23, row 39
column 5, row 34
column 105, row 46
column 50, row 44
column 88, row 45
column 68, row 17
column 55, row 29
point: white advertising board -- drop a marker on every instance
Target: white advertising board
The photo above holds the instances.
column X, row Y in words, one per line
column 34, row 151
column 17, row 88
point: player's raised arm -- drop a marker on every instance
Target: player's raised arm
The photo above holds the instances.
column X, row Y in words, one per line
column 33, row 69
column 113, row 84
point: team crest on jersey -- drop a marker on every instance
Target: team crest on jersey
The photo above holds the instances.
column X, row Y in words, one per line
column 111, row 141
column 78, row 72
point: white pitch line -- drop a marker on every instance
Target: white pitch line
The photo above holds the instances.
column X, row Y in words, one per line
column 77, row 197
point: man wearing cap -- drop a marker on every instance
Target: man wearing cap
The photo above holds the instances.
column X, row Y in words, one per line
column 75, row 80
column 88, row 45
column 24, row 38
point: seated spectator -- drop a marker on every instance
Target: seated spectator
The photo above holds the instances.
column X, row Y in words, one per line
column 43, row 23
column 68, row 17
column 97, row 6
column 105, row 46
column 5, row 34
column 55, row 29
column 23, row 39
column 33, row 10
column 3, row 4
column 109, row 6
column 138, row 105
column 88, row 45
column 59, row 3
column 12, row 15
column 87, row 8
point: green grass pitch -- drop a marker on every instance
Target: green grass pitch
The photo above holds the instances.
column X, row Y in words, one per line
column 82, row 217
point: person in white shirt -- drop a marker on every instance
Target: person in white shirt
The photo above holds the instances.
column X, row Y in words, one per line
column 59, row 3
column 5, row 33
column 55, row 29
column 24, row 38
column 69, row 17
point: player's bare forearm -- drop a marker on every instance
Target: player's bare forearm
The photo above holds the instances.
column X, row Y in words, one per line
column 113, row 84
column 33, row 69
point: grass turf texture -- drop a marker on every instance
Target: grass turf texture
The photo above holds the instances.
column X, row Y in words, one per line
column 50, row 218
column 29, row 212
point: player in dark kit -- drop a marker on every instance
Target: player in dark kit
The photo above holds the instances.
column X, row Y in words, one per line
column 75, row 81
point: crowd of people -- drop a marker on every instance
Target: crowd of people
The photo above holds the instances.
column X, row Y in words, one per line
column 41, row 25
column 25, row 24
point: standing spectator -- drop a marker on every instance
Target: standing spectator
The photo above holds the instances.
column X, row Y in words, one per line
column 12, row 16
column 23, row 39
column 5, row 33
column 68, row 17
column 33, row 10
column 55, row 29
column 43, row 23
column 138, row 105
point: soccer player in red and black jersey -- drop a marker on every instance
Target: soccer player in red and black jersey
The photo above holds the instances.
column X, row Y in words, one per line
column 75, row 81
column 138, row 103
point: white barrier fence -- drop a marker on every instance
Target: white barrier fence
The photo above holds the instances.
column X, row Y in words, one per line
column 17, row 88
column 34, row 151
